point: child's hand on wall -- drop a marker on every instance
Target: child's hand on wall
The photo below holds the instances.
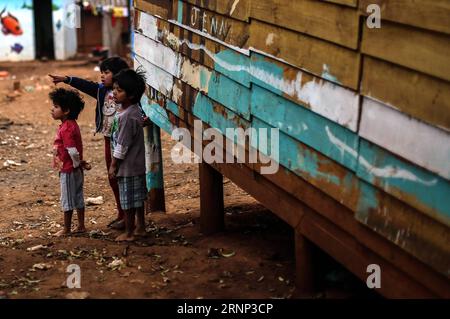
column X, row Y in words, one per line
column 145, row 121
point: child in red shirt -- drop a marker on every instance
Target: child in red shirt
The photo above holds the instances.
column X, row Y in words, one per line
column 68, row 155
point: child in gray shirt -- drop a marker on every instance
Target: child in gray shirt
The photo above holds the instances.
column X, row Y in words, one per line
column 128, row 163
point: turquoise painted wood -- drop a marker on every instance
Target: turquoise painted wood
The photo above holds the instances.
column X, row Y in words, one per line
column 418, row 187
column 216, row 115
column 307, row 127
column 156, row 114
column 230, row 94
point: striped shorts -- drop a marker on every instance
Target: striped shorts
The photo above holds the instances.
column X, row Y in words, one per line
column 72, row 190
column 133, row 191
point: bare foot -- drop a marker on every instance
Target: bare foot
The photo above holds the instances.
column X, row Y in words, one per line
column 118, row 225
column 140, row 232
column 62, row 233
column 125, row 237
column 80, row 230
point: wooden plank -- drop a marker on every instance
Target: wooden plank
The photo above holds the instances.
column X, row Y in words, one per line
column 355, row 257
column 162, row 8
column 412, row 186
column 415, row 232
column 402, row 181
column 350, row 3
column 427, row 14
column 424, row 145
column 321, row 58
column 332, row 101
column 237, row 9
column 338, row 24
column 304, row 125
column 306, row 165
column 157, row 54
column 327, row 99
column 155, row 76
column 413, row 48
column 249, row 179
column 382, row 203
column 304, row 161
column 317, row 169
column 239, row 177
column 200, row 49
column 418, row 187
column 424, row 97
column 223, row 28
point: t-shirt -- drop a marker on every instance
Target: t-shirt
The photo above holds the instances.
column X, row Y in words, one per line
column 67, row 135
column 129, row 145
column 115, row 129
column 109, row 109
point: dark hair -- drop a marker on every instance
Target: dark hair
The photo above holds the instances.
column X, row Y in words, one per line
column 68, row 100
column 114, row 64
column 132, row 82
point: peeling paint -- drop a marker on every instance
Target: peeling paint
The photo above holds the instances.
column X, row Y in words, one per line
column 270, row 38
column 383, row 172
column 327, row 99
column 176, row 93
column 328, row 76
column 420, row 143
column 195, row 75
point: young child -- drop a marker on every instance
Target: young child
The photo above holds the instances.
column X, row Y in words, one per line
column 128, row 163
column 68, row 155
column 104, row 114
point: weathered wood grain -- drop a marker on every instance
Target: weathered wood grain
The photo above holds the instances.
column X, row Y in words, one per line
column 237, row 9
column 162, row 8
column 410, row 241
column 338, row 24
column 422, row 144
column 350, row 3
column 423, row 97
column 321, row 58
column 224, row 28
column 417, row 49
column 322, row 97
column 427, row 14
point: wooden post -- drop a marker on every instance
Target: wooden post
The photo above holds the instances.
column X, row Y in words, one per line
column 211, row 200
column 304, row 265
column 154, row 169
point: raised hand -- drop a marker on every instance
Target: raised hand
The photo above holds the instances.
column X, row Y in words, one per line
column 58, row 78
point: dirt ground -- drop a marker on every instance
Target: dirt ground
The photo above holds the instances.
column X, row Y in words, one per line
column 174, row 261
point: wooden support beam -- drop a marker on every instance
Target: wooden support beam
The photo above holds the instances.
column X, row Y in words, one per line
column 304, row 279
column 154, row 167
column 211, row 200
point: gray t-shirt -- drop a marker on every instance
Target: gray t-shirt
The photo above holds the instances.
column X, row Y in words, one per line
column 130, row 143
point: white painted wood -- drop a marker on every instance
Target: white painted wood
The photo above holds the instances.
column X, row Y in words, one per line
column 330, row 100
column 157, row 54
column 148, row 25
column 155, row 77
column 418, row 142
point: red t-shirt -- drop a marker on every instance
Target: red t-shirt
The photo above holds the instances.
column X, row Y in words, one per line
column 68, row 135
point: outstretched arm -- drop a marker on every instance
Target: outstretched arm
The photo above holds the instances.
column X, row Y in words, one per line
column 84, row 86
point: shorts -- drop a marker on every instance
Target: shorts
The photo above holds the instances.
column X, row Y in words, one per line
column 72, row 190
column 133, row 191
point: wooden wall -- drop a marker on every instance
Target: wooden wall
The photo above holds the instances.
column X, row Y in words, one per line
column 363, row 114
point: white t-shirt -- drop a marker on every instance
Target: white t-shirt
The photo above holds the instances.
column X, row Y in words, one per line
column 109, row 109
